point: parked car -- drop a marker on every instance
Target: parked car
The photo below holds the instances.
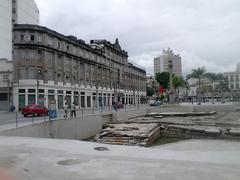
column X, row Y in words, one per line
column 34, row 110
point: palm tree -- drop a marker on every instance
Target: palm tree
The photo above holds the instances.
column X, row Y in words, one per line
column 213, row 78
column 198, row 74
column 223, row 84
column 220, row 79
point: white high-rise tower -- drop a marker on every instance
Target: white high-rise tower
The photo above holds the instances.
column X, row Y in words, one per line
column 14, row 12
column 5, row 29
column 161, row 62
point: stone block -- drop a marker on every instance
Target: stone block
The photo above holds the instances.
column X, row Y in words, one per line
column 212, row 131
column 235, row 132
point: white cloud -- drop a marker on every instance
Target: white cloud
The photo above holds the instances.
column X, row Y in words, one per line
column 205, row 33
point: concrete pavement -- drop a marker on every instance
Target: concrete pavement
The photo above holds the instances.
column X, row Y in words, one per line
column 38, row 159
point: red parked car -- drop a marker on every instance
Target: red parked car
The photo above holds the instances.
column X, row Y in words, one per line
column 34, row 110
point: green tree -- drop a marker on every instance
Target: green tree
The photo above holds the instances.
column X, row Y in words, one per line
column 177, row 82
column 150, row 91
column 198, row 74
column 163, row 79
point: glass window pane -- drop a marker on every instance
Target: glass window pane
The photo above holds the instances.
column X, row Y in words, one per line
column 31, row 99
column 21, row 101
column 88, row 101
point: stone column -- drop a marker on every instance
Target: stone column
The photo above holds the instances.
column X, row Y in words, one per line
column 85, row 99
column 55, row 68
column 45, row 68
column 71, row 71
column 64, row 70
column 91, row 100
column 84, row 70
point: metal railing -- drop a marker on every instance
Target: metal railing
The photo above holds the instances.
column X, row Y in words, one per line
column 20, row 120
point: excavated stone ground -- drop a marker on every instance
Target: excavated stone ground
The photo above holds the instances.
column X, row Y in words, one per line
column 143, row 131
column 129, row 134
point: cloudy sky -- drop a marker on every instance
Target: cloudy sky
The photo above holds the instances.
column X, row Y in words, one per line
column 204, row 32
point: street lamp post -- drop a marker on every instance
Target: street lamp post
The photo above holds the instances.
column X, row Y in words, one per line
column 171, row 92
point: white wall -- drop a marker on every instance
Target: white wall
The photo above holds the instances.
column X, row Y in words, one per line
column 27, row 12
column 6, row 29
column 76, row 128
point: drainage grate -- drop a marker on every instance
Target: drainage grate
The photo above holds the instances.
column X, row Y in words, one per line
column 101, row 149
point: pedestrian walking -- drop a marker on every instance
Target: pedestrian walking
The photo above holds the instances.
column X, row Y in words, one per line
column 73, row 110
column 65, row 110
column 114, row 106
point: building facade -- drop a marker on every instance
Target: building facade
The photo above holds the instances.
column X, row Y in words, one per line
column 234, row 79
column 50, row 66
column 5, row 84
column 161, row 62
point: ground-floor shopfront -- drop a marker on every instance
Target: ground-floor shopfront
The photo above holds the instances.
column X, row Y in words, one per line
column 5, row 98
column 82, row 96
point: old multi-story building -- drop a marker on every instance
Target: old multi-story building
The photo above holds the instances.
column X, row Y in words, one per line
column 50, row 66
column 161, row 62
